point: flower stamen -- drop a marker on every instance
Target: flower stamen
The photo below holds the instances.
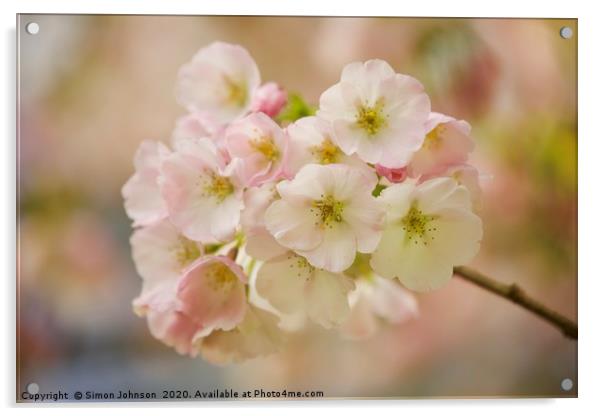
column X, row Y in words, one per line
column 416, row 225
column 218, row 187
column 220, row 277
column 237, row 92
column 326, row 152
column 371, row 118
column 327, row 210
column 434, row 138
column 186, row 251
column 266, row 146
column 301, row 265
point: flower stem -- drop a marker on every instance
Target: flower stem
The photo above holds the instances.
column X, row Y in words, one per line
column 515, row 294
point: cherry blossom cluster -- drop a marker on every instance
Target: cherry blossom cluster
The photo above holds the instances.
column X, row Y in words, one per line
column 247, row 227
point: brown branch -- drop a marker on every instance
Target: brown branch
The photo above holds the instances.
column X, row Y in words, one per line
column 517, row 295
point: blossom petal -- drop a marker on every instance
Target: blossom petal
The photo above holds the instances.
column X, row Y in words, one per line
column 143, row 201
column 161, row 253
column 337, row 250
column 281, row 281
column 327, row 302
column 257, row 335
column 292, row 226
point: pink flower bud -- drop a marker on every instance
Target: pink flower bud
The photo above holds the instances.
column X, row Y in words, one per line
column 394, row 175
column 269, row 99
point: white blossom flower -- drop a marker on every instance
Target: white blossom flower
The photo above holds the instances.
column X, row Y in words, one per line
column 430, row 229
column 376, row 113
column 327, row 213
column 292, row 285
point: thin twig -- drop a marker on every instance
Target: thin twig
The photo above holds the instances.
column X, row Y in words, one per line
column 517, row 295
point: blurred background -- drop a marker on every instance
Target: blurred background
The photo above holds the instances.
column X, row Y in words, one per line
column 93, row 87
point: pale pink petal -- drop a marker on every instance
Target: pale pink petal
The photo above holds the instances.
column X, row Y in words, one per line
column 143, row 201
column 337, row 250
column 256, row 201
column 312, row 182
column 261, row 245
column 366, row 217
column 161, row 253
column 292, row 226
column 348, row 182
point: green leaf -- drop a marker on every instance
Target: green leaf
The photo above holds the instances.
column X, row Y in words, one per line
column 295, row 109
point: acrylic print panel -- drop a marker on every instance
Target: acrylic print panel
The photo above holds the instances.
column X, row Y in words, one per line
column 296, row 208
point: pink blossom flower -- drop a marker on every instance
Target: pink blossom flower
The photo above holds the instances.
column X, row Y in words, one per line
column 292, row 285
column 260, row 244
column 376, row 113
column 143, row 201
column 430, row 229
column 270, row 98
column 311, row 141
column 209, row 295
column 221, row 80
column 260, row 145
column 447, row 143
column 165, row 322
column 203, row 198
column 327, row 214
column 161, row 253
column 375, row 300
column 212, row 293
column 393, row 175
column 257, row 335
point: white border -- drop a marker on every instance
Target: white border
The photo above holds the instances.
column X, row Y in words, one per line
column 590, row 206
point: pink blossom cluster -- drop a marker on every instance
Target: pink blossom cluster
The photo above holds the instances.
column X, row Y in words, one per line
column 246, row 228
